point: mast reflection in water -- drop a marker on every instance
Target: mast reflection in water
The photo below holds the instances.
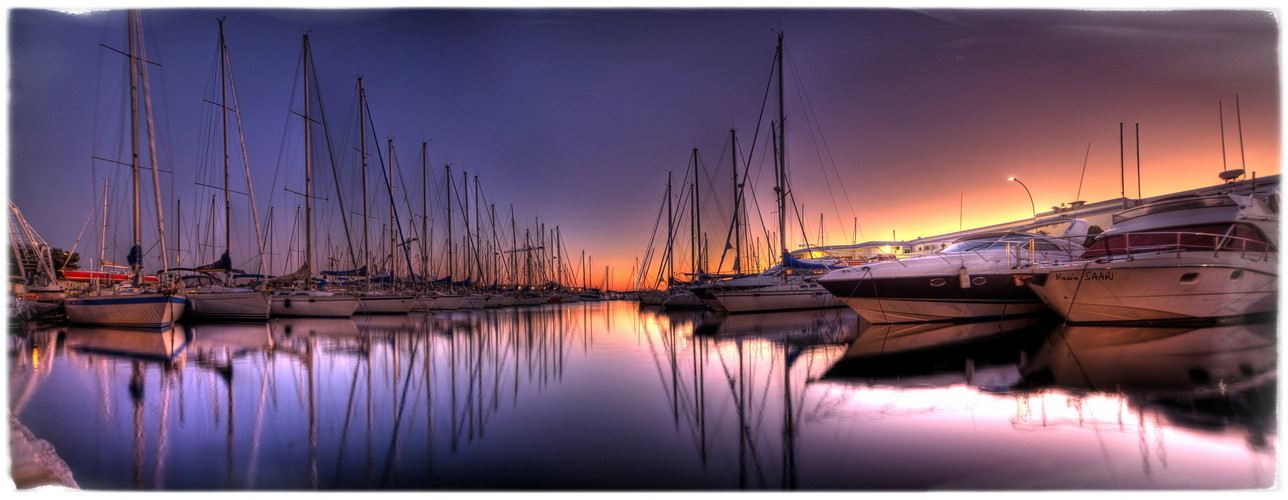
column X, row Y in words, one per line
column 609, row 395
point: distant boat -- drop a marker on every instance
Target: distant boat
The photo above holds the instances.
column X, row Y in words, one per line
column 135, row 305
column 1195, row 257
column 970, row 279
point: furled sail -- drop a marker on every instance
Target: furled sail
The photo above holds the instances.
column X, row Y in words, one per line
column 302, row 273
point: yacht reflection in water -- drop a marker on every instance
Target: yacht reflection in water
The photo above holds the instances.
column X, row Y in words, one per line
column 1199, row 377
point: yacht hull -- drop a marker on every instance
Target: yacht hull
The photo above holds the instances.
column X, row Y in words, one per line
column 127, row 310
column 1194, row 285
column 314, row 306
column 905, row 299
column 228, row 306
column 788, row 297
column 385, row 304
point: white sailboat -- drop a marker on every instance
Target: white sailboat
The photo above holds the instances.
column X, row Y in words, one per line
column 134, row 305
column 373, row 301
column 307, row 300
column 209, row 299
column 797, row 289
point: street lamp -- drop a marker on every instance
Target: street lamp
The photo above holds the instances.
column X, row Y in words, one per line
column 1026, row 191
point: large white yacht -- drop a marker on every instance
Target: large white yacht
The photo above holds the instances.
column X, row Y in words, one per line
column 1189, row 257
column 969, row 279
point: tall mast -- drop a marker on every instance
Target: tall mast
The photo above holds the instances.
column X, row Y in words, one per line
column 782, row 157
column 424, row 210
column 697, row 213
column 136, row 263
column 514, row 246
column 308, row 171
column 670, row 234
column 362, row 154
column 465, row 184
column 393, row 220
column 450, row 244
column 478, row 229
column 223, row 113
column 102, row 238
column 737, row 204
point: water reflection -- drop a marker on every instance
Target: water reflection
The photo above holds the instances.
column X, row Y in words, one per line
column 609, row 395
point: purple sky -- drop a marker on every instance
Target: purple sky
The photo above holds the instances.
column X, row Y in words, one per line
column 575, row 116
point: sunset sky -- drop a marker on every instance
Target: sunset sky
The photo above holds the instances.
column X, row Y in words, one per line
column 575, row 116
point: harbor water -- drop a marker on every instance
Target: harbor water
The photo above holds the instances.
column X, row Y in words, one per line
column 614, row 396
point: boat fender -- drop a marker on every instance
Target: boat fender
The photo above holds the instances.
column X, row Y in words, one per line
column 963, row 277
column 287, row 302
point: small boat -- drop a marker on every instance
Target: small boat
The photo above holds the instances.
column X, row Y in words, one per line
column 970, row 279
column 1195, row 257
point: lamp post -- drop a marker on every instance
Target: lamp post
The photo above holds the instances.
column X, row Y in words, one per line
column 1026, row 191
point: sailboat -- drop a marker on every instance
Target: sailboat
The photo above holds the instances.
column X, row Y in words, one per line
column 798, row 287
column 207, row 298
column 134, row 305
column 374, row 301
column 308, row 301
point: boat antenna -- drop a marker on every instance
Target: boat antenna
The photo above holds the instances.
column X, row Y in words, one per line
column 1122, row 175
column 1221, row 117
column 1239, row 119
column 1086, row 157
column 1137, row 161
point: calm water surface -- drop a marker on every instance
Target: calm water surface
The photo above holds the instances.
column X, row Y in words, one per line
column 610, row 395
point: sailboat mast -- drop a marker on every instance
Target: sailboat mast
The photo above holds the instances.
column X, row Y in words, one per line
column 135, row 265
column 308, row 171
column 670, row 234
column 393, row 219
column 697, row 214
column 450, row 243
column 737, row 203
column 223, row 113
column 782, row 157
column 102, row 238
column 362, row 153
column 424, row 209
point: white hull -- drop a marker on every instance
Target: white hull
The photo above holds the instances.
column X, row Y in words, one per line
column 1161, row 287
column 232, row 304
column 787, row 297
column 314, row 305
column 385, row 304
column 137, row 310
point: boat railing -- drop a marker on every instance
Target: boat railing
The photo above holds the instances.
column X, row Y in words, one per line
column 1129, row 244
